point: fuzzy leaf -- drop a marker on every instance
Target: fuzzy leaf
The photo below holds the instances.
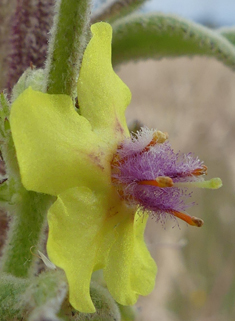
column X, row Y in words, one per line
column 157, row 36
column 44, row 297
column 11, row 289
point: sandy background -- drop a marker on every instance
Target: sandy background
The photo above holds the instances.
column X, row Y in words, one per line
column 194, row 101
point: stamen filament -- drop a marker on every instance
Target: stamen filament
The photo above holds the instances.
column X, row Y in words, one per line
column 213, row 183
column 160, row 181
column 158, row 137
column 191, row 220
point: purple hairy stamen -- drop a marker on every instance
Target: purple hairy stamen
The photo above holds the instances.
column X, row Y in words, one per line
column 145, row 169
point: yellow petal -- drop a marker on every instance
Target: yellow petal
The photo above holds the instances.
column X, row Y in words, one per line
column 133, row 272
column 56, row 148
column 144, row 269
column 90, row 231
column 72, row 244
column 102, row 95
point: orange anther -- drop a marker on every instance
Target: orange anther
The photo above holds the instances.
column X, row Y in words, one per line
column 191, row 220
column 200, row 171
column 158, row 137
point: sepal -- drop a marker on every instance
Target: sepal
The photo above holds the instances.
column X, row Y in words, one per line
column 30, row 78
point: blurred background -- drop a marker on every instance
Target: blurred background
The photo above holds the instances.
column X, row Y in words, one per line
column 209, row 12
column 194, row 101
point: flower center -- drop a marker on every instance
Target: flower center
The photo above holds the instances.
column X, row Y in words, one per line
column 148, row 173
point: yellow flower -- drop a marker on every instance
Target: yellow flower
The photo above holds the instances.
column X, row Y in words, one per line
column 68, row 154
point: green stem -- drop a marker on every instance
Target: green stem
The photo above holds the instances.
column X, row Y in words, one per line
column 68, row 41
column 156, row 35
column 117, row 9
column 25, row 232
column 28, row 221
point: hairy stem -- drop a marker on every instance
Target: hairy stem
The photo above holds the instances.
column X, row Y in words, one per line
column 116, row 9
column 66, row 46
column 28, row 211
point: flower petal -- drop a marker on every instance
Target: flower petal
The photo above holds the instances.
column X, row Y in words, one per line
column 102, row 95
column 133, row 272
column 144, row 268
column 87, row 232
column 56, row 148
column 73, row 225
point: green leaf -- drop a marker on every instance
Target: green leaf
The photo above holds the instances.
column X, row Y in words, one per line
column 157, row 36
column 39, row 298
column 228, row 33
column 11, row 290
column 45, row 296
